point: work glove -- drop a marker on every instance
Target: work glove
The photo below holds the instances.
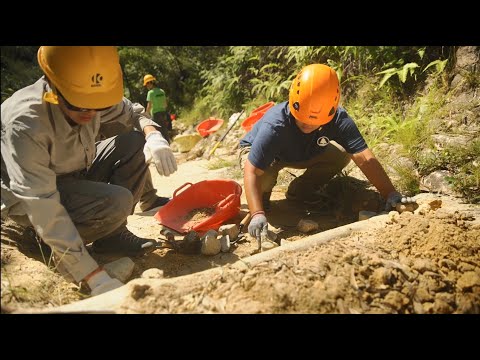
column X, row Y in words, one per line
column 257, row 224
column 395, row 198
column 102, row 282
column 157, row 150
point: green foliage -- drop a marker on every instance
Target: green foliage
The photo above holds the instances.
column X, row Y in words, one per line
column 220, row 163
column 19, row 68
column 408, row 182
column 462, row 161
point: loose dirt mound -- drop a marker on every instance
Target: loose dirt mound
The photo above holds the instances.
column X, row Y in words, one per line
column 416, row 264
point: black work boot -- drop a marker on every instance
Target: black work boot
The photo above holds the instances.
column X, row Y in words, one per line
column 126, row 243
column 160, row 201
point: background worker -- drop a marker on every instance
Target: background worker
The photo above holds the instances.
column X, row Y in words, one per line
column 55, row 177
column 309, row 131
column 157, row 105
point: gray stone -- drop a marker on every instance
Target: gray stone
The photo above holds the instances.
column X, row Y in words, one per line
column 442, row 140
column 153, row 273
column 211, row 243
column 120, row 269
column 268, row 245
column 306, row 226
column 230, row 230
column 437, row 182
column 225, row 243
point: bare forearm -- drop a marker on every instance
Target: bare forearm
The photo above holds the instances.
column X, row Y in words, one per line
column 373, row 170
column 253, row 190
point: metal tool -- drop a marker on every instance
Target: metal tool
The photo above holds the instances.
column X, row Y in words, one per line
column 223, row 136
column 241, row 234
column 263, row 237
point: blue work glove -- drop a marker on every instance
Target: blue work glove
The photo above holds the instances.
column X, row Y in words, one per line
column 395, row 198
column 157, row 150
column 257, row 224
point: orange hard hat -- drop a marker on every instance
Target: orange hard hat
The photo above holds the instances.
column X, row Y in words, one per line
column 86, row 76
column 314, row 95
column 147, row 79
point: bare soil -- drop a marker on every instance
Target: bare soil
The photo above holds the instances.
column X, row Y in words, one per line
column 417, row 264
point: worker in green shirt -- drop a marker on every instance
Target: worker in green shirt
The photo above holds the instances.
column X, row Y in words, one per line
column 157, row 105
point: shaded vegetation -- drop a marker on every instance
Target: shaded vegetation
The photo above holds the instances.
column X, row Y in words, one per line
column 383, row 89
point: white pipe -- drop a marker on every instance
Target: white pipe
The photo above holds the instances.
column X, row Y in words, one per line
column 111, row 302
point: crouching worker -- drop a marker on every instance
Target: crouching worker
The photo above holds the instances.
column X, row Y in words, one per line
column 55, row 177
column 310, row 131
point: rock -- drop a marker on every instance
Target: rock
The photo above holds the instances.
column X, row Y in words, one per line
column 153, row 273
column 284, row 242
column 417, row 308
column 423, row 295
column 427, row 307
column 225, row 243
column 306, row 226
column 446, row 297
column 451, row 140
column 465, row 267
column 437, row 182
column 364, row 215
column 211, row 243
column 381, row 277
column 449, row 264
column 120, row 269
column 268, row 245
column 230, row 230
column 468, row 280
column 335, row 286
column 441, row 307
column 422, row 265
column 406, row 207
column 396, row 300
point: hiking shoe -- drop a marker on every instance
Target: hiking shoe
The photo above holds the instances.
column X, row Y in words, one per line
column 125, row 243
column 159, row 202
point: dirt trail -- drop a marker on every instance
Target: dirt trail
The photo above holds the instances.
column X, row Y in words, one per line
column 418, row 264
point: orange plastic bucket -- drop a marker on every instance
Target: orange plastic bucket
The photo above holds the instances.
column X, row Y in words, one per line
column 221, row 195
column 248, row 123
column 263, row 108
column 209, row 126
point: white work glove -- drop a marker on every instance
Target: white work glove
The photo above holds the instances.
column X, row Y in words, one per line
column 395, row 198
column 102, row 282
column 157, row 149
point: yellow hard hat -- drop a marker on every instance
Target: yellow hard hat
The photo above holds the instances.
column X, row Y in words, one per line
column 147, row 78
column 314, row 94
column 87, row 76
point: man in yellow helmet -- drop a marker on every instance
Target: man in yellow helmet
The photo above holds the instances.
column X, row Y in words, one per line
column 55, row 177
column 157, row 105
column 310, row 131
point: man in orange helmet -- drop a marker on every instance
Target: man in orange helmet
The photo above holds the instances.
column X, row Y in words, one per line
column 310, row 131
column 54, row 175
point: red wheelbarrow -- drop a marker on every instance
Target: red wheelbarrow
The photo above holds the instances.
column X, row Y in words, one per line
column 220, row 197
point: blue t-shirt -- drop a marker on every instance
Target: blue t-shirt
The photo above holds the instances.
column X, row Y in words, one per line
column 276, row 137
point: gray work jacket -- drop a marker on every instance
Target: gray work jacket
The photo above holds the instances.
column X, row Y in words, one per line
column 37, row 144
